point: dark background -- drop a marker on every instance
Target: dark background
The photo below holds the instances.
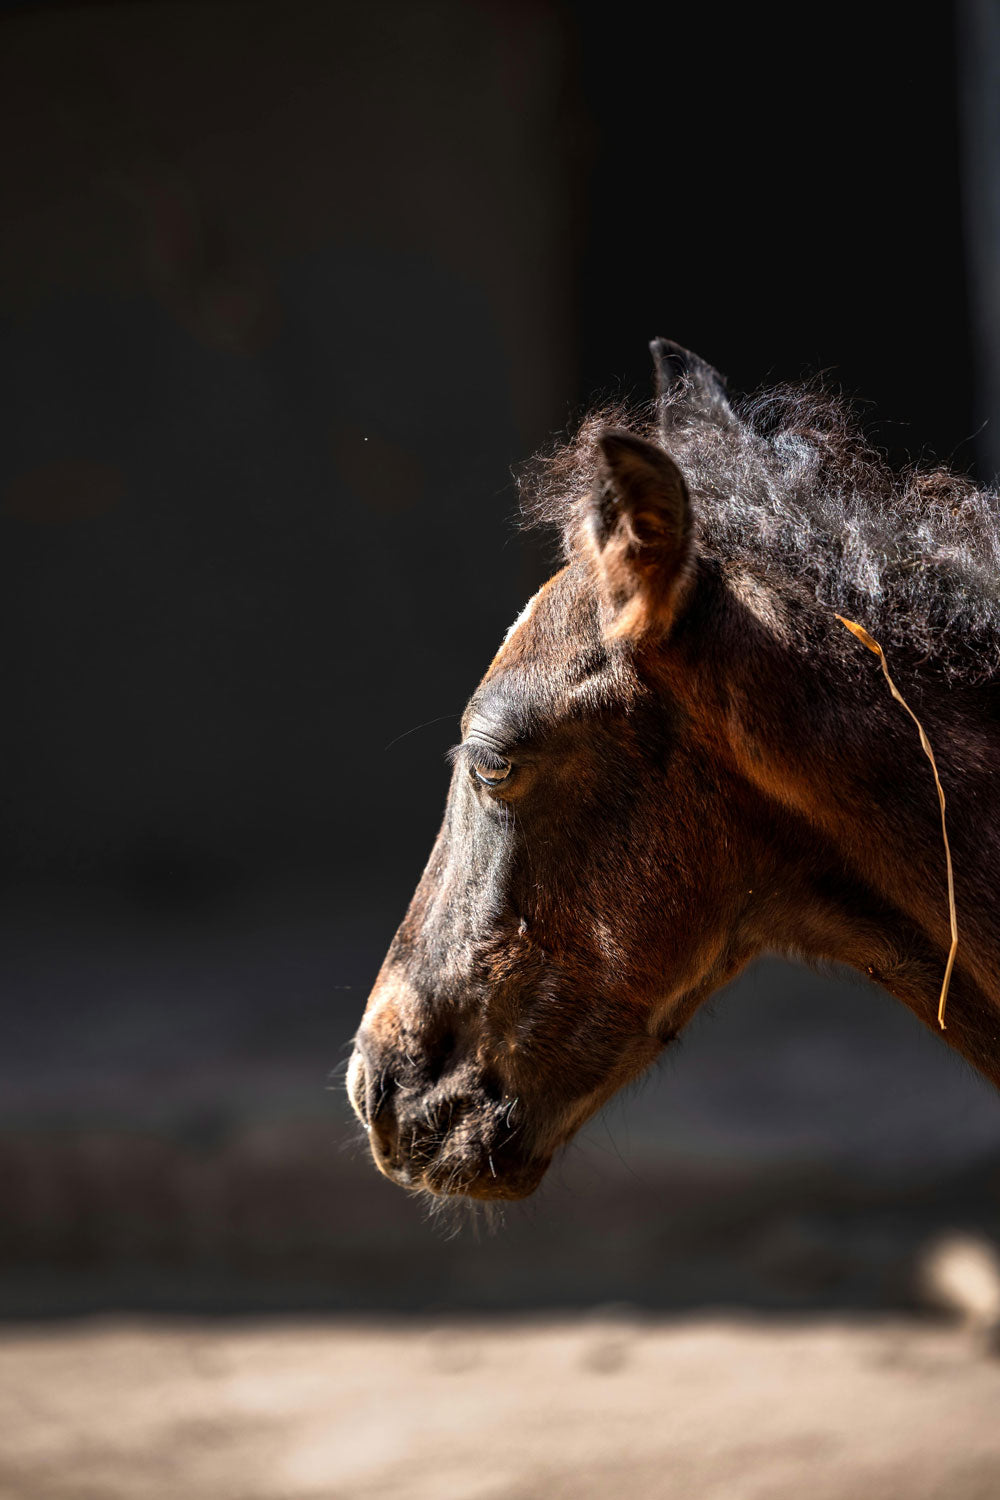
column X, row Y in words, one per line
column 285, row 291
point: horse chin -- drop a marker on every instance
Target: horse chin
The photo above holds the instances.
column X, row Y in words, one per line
column 506, row 1186
column 477, row 1174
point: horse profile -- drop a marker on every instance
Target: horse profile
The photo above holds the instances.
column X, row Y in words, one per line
column 679, row 759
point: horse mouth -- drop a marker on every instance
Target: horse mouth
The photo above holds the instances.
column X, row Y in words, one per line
column 451, row 1176
column 510, row 1184
column 459, row 1165
column 460, row 1149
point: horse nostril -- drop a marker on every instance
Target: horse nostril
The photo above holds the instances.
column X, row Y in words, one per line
column 395, row 1092
column 380, row 1090
column 384, row 1134
column 382, row 1123
column 370, row 1080
column 371, row 1093
column 368, row 1089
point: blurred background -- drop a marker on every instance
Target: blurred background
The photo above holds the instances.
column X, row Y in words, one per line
column 285, row 292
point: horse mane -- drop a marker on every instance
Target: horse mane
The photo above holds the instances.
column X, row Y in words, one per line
column 789, row 488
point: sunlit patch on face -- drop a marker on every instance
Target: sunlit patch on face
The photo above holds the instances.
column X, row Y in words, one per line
column 523, row 617
column 519, row 633
column 355, row 1087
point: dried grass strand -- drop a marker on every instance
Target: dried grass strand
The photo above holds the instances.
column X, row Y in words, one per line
column 873, row 646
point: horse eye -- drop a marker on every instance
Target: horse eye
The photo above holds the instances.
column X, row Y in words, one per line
column 491, row 775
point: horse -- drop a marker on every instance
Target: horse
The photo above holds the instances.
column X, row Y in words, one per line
column 679, row 760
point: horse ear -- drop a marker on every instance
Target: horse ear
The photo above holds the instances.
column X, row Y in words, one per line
column 639, row 525
column 688, row 385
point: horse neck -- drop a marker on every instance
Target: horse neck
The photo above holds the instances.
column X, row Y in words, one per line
column 839, row 772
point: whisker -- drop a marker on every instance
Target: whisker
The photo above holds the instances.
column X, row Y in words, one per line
column 425, row 725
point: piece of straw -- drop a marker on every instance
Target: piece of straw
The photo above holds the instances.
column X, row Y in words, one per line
column 873, row 645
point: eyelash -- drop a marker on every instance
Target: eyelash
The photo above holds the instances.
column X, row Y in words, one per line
column 479, row 758
column 479, row 755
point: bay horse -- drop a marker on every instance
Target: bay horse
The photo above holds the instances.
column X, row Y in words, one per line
column 679, row 759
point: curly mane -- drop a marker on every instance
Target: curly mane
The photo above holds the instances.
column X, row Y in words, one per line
column 786, row 485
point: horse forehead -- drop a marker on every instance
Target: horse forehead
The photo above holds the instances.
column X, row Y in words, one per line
column 556, row 624
column 553, row 659
column 524, row 617
column 528, row 633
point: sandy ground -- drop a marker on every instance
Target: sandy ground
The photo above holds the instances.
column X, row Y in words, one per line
column 607, row 1405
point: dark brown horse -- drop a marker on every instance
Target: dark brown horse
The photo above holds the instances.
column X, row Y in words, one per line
column 680, row 759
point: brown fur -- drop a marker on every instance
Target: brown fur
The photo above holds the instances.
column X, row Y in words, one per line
column 704, row 766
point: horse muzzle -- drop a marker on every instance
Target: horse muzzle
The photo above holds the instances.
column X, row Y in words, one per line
column 459, row 1137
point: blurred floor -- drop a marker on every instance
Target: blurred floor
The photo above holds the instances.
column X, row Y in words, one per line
column 548, row 1410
